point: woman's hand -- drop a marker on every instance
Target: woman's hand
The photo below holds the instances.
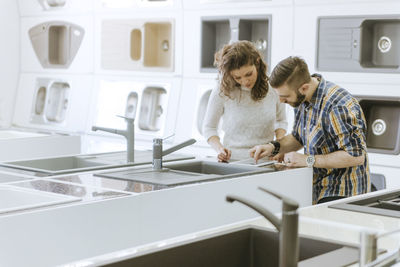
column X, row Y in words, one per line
column 261, row 151
column 224, row 154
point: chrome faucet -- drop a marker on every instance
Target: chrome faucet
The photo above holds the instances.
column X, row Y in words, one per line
column 369, row 251
column 158, row 151
column 129, row 134
column 287, row 227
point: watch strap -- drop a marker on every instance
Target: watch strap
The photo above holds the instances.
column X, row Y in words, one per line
column 277, row 147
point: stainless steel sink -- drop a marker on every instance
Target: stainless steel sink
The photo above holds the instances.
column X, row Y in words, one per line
column 386, row 204
column 250, row 247
column 185, row 173
column 80, row 163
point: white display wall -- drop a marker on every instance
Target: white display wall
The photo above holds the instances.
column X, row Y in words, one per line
column 159, row 43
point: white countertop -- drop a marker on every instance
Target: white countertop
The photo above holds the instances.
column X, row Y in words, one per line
column 60, row 235
column 318, row 221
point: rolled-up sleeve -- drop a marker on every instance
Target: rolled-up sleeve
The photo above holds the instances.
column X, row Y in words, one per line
column 215, row 110
column 347, row 126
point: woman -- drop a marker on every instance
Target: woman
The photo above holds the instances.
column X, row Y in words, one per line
column 251, row 113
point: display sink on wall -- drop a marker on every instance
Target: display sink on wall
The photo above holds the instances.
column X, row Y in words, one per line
column 218, row 31
column 146, row 103
column 50, row 103
column 53, row 102
column 383, row 123
column 56, row 43
column 359, row 43
column 137, row 45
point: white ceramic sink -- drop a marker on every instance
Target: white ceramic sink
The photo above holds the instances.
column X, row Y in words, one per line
column 14, row 199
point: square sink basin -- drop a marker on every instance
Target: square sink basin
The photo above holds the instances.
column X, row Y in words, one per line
column 379, row 39
column 250, row 247
column 210, row 167
column 89, row 162
column 14, row 199
column 185, row 172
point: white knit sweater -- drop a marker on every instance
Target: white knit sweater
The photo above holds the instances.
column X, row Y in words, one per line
column 245, row 122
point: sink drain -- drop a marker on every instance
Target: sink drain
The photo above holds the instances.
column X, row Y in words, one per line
column 384, row 44
column 379, row 127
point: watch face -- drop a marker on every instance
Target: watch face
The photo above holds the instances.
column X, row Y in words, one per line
column 310, row 161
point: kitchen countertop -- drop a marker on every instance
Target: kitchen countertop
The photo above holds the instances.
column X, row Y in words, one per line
column 64, row 234
column 129, row 219
column 317, row 221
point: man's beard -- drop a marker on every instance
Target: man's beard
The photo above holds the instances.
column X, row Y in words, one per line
column 299, row 99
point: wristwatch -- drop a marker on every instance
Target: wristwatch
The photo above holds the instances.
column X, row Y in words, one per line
column 310, row 160
column 277, row 147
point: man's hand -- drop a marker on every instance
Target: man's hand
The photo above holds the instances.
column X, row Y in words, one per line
column 278, row 157
column 294, row 159
column 224, row 154
column 261, row 151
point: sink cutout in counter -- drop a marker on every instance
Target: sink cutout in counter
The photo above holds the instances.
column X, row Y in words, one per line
column 188, row 172
column 251, row 247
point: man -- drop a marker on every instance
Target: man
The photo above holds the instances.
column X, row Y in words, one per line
column 329, row 125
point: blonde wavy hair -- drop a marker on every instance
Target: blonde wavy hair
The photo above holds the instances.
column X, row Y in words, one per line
column 234, row 56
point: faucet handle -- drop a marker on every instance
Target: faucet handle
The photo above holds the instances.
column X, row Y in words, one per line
column 126, row 118
column 288, row 204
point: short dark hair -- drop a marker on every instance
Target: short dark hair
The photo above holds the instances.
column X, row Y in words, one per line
column 292, row 71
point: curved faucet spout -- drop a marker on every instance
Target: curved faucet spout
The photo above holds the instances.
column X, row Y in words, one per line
column 129, row 134
column 264, row 212
column 287, row 227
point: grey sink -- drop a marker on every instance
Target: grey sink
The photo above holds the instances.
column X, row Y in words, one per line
column 185, row 172
column 379, row 39
column 249, row 247
column 88, row 162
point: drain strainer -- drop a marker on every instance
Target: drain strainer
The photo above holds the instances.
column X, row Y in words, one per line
column 384, row 44
column 378, row 127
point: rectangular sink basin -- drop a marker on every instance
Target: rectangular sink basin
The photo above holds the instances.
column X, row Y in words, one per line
column 386, row 204
column 185, row 173
column 14, row 199
column 250, row 247
column 89, row 162
column 379, row 49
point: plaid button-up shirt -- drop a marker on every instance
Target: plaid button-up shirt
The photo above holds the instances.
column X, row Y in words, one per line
column 333, row 121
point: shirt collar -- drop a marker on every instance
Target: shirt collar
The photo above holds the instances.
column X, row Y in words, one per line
column 318, row 93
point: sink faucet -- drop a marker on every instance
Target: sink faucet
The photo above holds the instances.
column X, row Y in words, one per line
column 369, row 250
column 287, row 227
column 158, row 152
column 129, row 134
